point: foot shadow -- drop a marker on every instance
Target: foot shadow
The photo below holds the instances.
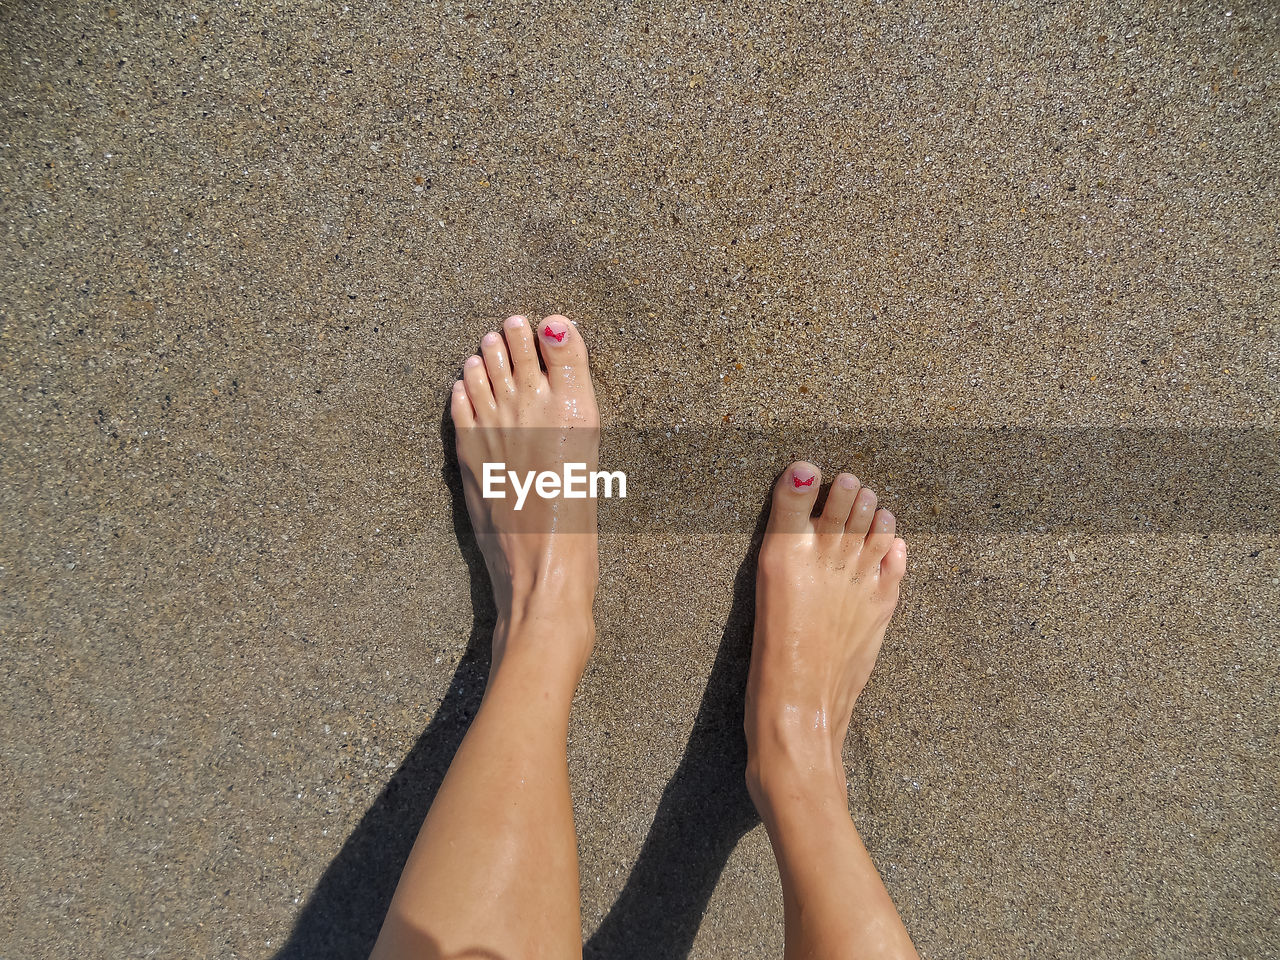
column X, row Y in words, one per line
column 704, row 811
column 342, row 918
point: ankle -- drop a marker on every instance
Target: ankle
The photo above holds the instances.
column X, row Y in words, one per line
column 564, row 620
column 788, row 772
column 550, row 644
column 555, row 591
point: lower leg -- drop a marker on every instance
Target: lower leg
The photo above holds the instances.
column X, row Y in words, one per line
column 834, row 902
column 826, row 587
column 494, row 871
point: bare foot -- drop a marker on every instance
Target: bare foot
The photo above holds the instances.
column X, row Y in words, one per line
column 542, row 557
column 825, row 589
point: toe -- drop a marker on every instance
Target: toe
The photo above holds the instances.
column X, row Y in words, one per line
column 793, row 498
column 860, row 516
column 835, row 513
column 498, row 366
column 880, row 539
column 563, row 353
column 894, row 565
column 478, row 390
column 464, row 417
column 522, row 353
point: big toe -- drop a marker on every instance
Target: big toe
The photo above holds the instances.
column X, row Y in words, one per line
column 564, row 354
column 793, row 498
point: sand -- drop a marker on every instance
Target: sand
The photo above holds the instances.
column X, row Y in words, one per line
column 1013, row 264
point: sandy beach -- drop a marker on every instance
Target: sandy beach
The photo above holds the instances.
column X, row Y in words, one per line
column 1013, row 264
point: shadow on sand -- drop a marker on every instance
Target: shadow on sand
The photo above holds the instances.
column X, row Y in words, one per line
column 703, row 813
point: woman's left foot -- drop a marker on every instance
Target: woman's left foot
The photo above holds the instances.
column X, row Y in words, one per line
column 526, row 402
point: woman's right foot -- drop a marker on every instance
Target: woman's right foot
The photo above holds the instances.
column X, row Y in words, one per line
column 826, row 587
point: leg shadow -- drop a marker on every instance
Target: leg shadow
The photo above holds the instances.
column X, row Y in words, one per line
column 342, row 918
column 704, row 810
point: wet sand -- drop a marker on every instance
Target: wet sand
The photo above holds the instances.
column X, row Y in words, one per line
column 243, row 623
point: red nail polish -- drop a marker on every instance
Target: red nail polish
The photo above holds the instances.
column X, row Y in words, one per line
column 801, row 483
column 558, row 337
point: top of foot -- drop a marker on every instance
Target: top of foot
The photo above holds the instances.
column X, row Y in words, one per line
column 825, row 589
column 526, row 402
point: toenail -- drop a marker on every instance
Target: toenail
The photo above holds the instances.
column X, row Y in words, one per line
column 473, row 361
column 458, row 386
column 489, row 339
column 555, row 330
column 516, row 321
column 847, row 482
column 802, row 478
